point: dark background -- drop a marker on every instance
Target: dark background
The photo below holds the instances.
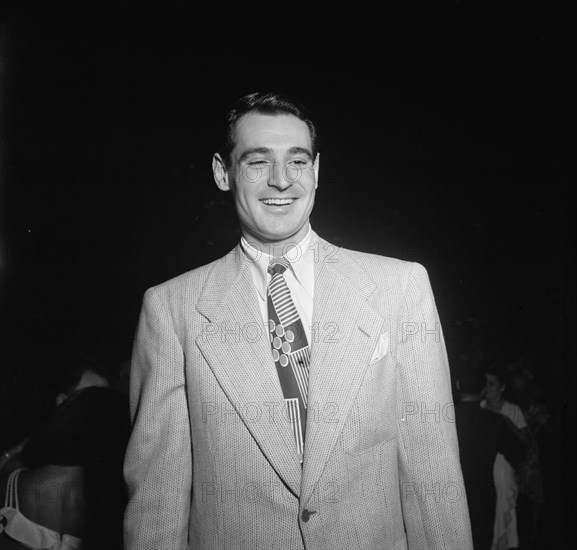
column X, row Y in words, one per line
column 447, row 137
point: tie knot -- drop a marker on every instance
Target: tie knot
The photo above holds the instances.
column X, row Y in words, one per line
column 278, row 265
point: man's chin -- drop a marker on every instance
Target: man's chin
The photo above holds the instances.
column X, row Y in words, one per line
column 278, row 236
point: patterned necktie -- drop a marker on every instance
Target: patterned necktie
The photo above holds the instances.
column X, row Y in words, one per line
column 290, row 349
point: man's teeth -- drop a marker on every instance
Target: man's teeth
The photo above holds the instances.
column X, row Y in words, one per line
column 278, row 202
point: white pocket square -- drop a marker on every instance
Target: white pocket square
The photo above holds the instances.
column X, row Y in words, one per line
column 381, row 349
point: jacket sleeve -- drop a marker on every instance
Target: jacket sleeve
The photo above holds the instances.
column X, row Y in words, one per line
column 433, row 496
column 158, row 462
column 508, row 443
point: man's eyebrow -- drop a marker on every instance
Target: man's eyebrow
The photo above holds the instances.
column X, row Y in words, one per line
column 301, row 151
column 254, row 151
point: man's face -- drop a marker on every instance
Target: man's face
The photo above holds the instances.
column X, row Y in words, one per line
column 493, row 388
column 273, row 177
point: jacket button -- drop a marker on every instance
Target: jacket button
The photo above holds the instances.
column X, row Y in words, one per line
column 306, row 515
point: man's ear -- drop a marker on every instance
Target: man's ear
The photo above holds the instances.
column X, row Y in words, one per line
column 316, row 169
column 220, row 173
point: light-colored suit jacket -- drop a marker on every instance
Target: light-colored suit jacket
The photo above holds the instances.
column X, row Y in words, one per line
column 212, row 463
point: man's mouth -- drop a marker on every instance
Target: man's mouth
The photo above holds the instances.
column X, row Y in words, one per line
column 277, row 202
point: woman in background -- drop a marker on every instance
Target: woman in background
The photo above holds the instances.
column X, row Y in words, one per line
column 67, row 491
column 505, row 532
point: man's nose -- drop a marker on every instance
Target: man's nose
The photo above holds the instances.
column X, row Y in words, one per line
column 278, row 178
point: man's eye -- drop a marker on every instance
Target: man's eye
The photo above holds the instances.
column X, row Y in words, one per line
column 298, row 162
column 257, row 162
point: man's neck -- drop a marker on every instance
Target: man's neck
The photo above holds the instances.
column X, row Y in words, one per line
column 277, row 248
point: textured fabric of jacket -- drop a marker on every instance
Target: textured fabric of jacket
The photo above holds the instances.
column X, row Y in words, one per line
column 211, row 462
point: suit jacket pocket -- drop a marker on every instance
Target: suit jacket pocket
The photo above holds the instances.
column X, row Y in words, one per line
column 372, row 419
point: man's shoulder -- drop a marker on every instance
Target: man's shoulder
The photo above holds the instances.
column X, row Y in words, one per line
column 471, row 414
column 377, row 265
column 377, row 260
column 474, row 410
column 191, row 280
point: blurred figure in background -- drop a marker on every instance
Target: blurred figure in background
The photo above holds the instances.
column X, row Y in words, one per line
column 530, row 474
column 68, row 491
column 505, row 532
column 61, row 486
column 83, row 374
column 76, row 373
column 123, row 378
column 482, row 435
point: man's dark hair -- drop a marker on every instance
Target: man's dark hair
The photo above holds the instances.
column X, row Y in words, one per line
column 266, row 103
column 471, row 381
column 497, row 370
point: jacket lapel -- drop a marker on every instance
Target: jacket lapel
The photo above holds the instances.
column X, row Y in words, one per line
column 235, row 344
column 346, row 329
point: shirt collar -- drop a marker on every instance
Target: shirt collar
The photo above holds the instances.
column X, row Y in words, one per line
column 300, row 257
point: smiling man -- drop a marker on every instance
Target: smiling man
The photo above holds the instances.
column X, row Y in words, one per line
column 292, row 395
